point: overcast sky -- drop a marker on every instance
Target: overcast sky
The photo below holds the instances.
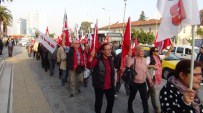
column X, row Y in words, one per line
column 81, row 10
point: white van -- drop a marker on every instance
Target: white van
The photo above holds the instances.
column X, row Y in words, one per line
column 185, row 51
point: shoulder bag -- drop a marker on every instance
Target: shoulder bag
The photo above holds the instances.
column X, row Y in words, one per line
column 129, row 73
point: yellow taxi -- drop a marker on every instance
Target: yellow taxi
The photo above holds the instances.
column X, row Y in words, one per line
column 169, row 64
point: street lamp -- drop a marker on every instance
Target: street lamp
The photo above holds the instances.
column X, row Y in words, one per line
column 125, row 1
column 109, row 17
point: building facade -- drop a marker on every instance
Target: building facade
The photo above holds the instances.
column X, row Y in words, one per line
column 36, row 20
column 21, row 26
column 152, row 25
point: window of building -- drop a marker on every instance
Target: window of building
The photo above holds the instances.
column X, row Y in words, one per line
column 150, row 29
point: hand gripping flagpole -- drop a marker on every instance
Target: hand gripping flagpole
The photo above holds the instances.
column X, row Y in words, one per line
column 192, row 57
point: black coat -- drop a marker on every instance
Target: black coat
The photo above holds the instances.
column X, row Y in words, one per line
column 201, row 57
column 98, row 73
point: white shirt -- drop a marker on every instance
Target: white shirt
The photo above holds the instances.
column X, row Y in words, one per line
column 151, row 70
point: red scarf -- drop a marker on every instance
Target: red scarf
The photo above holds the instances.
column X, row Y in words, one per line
column 158, row 71
column 75, row 63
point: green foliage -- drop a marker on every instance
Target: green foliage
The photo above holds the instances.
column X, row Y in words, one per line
column 143, row 37
column 85, row 26
column 200, row 32
column 189, row 41
column 36, row 34
column 142, row 16
column 5, row 18
column 52, row 35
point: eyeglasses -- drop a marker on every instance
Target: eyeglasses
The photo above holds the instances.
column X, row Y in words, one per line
column 196, row 74
column 156, row 51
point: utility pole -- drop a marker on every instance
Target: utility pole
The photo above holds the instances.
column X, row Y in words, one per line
column 125, row 1
column 109, row 17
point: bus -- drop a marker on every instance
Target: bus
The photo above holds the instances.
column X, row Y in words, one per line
column 114, row 37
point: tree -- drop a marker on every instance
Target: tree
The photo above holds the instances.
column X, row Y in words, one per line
column 143, row 37
column 200, row 32
column 134, row 33
column 85, row 27
column 7, row 22
column 6, row 0
column 5, row 18
column 142, row 16
column 201, row 17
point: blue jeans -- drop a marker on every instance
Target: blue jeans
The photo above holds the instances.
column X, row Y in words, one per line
column 64, row 77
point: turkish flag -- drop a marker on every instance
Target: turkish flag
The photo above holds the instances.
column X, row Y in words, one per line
column 135, row 44
column 65, row 30
column 107, row 39
column 47, row 31
column 162, row 44
column 95, row 40
column 176, row 14
column 126, row 43
column 59, row 40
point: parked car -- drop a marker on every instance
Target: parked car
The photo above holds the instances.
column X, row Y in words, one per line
column 169, row 64
column 23, row 41
column 185, row 51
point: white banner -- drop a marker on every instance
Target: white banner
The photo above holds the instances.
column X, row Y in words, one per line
column 47, row 42
column 176, row 14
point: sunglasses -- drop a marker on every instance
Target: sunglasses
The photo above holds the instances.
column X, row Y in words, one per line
column 156, row 51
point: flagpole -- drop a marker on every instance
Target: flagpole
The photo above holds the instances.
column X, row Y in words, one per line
column 192, row 57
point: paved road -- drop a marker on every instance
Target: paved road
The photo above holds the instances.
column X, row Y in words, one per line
column 34, row 91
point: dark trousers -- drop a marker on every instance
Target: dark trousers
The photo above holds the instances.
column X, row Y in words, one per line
column 118, row 86
column 109, row 93
column 60, row 72
column 45, row 63
column 10, row 51
column 64, row 77
column 1, row 50
column 142, row 88
column 52, row 63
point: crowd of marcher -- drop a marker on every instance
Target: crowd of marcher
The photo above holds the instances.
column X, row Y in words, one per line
column 78, row 63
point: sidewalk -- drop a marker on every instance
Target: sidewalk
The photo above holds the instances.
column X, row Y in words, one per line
column 27, row 95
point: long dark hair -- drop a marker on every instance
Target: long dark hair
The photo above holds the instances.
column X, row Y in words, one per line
column 152, row 50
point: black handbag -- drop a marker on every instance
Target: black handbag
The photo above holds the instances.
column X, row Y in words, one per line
column 129, row 74
column 79, row 69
